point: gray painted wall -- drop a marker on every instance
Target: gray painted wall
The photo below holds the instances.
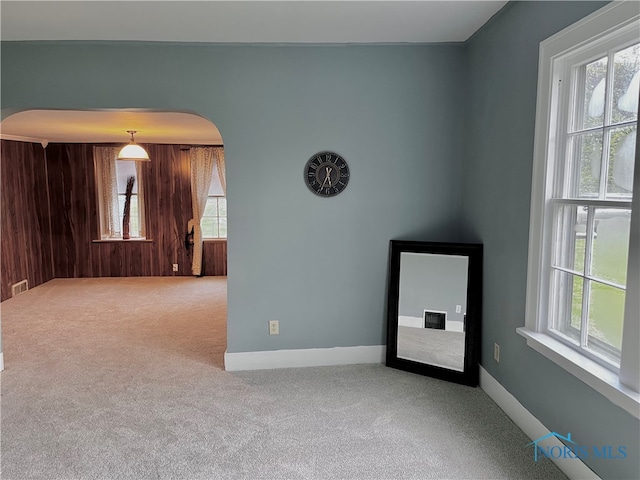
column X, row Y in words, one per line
column 317, row 265
column 433, row 282
column 502, row 62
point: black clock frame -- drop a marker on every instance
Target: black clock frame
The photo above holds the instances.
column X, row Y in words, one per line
column 326, row 174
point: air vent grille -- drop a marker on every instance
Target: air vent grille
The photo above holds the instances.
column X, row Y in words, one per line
column 20, row 287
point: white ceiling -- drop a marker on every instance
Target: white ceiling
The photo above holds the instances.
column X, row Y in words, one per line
column 109, row 126
column 237, row 21
column 244, row 21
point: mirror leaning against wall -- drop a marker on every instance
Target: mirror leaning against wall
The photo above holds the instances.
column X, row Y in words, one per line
column 434, row 309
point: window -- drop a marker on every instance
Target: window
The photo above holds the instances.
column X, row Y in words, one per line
column 111, row 179
column 126, row 169
column 583, row 209
column 214, row 219
column 591, row 201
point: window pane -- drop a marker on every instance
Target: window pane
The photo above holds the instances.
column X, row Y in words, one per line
column 124, row 170
column 210, row 207
column 626, row 84
column 134, row 217
column 134, row 224
column 223, row 228
column 570, row 237
column 567, row 304
column 214, row 222
column 121, row 199
column 208, row 227
column 586, row 150
column 606, row 311
column 621, row 161
column 611, row 245
column 593, row 96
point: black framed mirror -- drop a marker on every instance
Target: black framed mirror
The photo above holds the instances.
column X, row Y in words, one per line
column 434, row 309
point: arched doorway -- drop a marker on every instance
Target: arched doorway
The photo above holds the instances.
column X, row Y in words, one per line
column 51, row 200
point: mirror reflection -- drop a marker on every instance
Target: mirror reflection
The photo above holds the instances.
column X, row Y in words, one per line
column 432, row 303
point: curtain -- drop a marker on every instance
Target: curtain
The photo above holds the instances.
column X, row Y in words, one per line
column 105, row 161
column 219, row 159
column 141, row 210
column 202, row 163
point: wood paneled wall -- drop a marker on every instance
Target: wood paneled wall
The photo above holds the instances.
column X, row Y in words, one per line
column 65, row 245
column 214, row 258
column 74, row 215
column 168, row 203
column 26, row 229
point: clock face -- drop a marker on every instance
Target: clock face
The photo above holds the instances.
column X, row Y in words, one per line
column 326, row 174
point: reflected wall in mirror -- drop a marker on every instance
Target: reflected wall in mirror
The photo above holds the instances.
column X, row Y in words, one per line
column 432, row 306
column 434, row 309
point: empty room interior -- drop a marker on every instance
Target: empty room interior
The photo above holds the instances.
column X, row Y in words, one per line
column 309, row 240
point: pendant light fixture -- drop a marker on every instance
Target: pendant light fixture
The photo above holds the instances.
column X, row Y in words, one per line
column 133, row 151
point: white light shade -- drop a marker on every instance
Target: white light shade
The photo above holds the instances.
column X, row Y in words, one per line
column 133, row 152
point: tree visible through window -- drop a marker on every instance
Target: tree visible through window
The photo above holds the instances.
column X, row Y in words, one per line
column 592, row 203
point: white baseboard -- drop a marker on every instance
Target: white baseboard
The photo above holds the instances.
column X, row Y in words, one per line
column 311, row 357
column 574, row 468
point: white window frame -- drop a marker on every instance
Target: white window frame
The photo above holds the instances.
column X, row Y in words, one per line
column 203, row 233
column 608, row 24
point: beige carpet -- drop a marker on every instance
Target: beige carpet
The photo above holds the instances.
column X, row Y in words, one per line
column 432, row 346
column 76, row 322
column 121, row 378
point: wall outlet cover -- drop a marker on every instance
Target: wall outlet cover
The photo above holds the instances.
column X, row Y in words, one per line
column 274, row 327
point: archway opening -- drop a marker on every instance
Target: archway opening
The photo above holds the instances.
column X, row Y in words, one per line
column 51, row 198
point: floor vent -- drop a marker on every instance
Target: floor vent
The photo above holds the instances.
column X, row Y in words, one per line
column 20, row 287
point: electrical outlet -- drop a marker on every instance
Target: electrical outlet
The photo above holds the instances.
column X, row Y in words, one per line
column 274, row 327
column 496, row 352
column 175, row 267
column 458, row 308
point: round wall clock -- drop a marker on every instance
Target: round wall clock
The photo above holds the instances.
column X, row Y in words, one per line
column 326, row 174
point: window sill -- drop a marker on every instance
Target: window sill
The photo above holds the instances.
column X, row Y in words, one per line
column 214, row 240
column 122, row 240
column 596, row 376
